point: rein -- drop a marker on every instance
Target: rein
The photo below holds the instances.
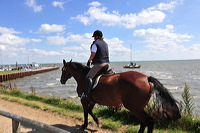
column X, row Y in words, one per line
column 78, row 71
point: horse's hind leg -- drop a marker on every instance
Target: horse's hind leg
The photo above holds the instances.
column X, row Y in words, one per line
column 150, row 126
column 146, row 121
column 142, row 127
column 91, row 106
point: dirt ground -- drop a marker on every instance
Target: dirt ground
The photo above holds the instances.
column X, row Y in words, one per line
column 63, row 122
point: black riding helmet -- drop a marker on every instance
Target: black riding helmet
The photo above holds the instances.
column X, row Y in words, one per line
column 97, row 33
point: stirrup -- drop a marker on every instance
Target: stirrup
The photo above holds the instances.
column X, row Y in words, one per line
column 83, row 96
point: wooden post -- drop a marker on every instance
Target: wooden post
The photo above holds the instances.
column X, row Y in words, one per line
column 17, row 119
column 16, row 126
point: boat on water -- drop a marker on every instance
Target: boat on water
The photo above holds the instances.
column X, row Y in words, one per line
column 132, row 65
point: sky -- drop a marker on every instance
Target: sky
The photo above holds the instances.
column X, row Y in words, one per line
column 48, row 31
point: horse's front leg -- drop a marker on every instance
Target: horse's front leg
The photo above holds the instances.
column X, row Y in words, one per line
column 91, row 106
column 84, row 126
column 85, row 105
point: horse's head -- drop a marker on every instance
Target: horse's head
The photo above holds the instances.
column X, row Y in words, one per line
column 65, row 73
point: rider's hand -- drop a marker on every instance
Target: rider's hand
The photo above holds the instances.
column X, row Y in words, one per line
column 88, row 63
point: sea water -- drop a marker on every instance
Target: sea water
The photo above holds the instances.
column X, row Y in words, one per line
column 172, row 74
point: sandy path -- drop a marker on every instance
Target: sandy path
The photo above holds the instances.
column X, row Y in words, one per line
column 64, row 122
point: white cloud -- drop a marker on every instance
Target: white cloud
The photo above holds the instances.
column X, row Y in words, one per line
column 15, row 41
column 79, row 39
column 165, row 44
column 43, row 52
column 36, row 40
column 74, row 48
column 94, row 3
column 12, row 45
column 170, row 27
column 79, row 46
column 57, row 40
column 3, row 47
column 162, row 37
column 101, row 15
column 144, row 17
column 58, row 4
column 84, row 19
column 116, row 48
column 193, row 48
column 9, row 39
column 114, row 44
column 33, row 4
column 47, row 28
column 5, row 30
column 8, row 52
column 164, row 6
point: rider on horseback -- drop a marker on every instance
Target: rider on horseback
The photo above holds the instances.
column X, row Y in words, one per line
column 99, row 57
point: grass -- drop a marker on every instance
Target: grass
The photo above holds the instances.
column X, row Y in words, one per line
column 8, row 72
column 48, row 100
column 188, row 104
column 121, row 120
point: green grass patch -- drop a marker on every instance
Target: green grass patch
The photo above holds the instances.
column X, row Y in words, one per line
column 111, row 126
column 9, row 72
column 48, row 100
column 124, row 116
column 131, row 130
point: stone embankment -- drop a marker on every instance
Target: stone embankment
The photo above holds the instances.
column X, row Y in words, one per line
column 11, row 76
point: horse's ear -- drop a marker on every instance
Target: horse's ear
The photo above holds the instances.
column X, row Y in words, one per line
column 70, row 60
column 64, row 62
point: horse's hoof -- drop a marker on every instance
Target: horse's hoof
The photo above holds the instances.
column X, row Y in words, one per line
column 83, row 127
column 99, row 125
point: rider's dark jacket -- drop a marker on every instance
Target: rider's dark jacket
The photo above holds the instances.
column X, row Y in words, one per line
column 102, row 54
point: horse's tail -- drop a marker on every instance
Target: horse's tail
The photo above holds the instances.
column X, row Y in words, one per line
column 165, row 100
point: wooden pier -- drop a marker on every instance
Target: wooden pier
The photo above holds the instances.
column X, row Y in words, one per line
column 11, row 76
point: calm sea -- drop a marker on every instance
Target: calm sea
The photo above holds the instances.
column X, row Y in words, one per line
column 172, row 74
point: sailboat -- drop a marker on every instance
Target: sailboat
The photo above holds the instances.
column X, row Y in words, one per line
column 131, row 65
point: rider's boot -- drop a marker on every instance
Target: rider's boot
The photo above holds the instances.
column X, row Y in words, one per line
column 88, row 87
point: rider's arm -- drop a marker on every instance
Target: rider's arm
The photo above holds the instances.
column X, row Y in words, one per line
column 91, row 56
column 93, row 52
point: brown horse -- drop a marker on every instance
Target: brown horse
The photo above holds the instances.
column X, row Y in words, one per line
column 132, row 89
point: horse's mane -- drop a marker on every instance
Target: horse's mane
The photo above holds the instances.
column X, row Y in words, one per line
column 80, row 66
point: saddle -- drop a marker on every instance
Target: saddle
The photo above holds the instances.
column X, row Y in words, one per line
column 103, row 73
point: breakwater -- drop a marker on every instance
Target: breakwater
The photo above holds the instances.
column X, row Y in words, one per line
column 11, row 76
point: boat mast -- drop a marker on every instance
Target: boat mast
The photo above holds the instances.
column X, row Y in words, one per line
column 131, row 53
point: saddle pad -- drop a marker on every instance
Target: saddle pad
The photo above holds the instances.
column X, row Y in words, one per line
column 108, row 73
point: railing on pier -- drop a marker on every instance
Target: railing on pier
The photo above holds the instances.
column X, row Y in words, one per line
column 16, row 120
